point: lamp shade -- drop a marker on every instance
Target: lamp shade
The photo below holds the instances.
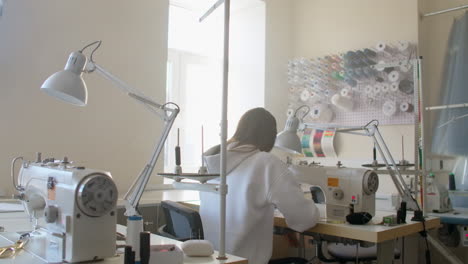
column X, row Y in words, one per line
column 288, row 140
column 68, row 85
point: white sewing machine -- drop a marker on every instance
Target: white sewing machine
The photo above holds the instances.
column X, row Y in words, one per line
column 343, row 188
column 77, row 204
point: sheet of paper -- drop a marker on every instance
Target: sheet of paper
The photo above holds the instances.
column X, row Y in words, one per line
column 318, row 143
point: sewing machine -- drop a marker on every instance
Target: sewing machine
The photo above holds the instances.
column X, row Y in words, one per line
column 341, row 187
column 77, row 204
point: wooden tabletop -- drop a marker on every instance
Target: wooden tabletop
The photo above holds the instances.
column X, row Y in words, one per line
column 371, row 232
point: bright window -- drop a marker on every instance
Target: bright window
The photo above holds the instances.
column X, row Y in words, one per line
column 194, row 75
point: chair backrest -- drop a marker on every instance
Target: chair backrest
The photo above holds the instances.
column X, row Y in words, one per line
column 182, row 223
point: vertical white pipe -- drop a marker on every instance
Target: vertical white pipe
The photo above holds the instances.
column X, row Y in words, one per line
column 223, row 186
column 423, row 142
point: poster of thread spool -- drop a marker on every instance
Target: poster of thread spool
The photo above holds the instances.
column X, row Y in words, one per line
column 356, row 86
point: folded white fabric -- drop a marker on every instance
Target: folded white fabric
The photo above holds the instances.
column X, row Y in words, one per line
column 197, row 248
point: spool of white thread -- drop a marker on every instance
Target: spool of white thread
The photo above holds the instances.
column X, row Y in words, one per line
column 134, row 228
column 389, row 108
column 342, row 102
column 384, row 47
column 321, row 113
column 305, row 95
column 405, row 67
column 385, row 87
column 406, row 107
column 393, row 76
column 380, row 47
column 290, row 112
column 377, row 89
column 403, row 45
column 380, row 68
column 345, row 92
column 394, row 87
column 369, row 89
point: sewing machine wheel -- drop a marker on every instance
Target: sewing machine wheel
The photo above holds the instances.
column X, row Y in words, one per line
column 370, row 182
column 97, row 195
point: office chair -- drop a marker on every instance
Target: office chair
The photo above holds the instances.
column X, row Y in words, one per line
column 182, row 223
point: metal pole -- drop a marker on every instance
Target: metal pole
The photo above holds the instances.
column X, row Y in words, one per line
column 223, row 186
column 440, row 107
column 423, row 141
column 445, row 11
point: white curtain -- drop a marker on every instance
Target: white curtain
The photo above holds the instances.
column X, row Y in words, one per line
column 451, row 128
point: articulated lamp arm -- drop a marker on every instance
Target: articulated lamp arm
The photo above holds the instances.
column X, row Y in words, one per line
column 68, row 85
column 167, row 112
column 403, row 189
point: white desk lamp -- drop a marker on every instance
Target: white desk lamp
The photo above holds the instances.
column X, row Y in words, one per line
column 68, row 85
column 288, row 140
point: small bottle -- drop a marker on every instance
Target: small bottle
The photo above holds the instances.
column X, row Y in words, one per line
column 134, row 228
column 452, row 186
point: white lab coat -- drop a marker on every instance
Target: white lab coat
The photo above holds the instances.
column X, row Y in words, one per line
column 257, row 183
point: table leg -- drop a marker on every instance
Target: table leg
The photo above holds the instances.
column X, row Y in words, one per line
column 385, row 252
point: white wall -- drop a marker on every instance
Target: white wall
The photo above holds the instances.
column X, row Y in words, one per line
column 278, row 50
column 112, row 133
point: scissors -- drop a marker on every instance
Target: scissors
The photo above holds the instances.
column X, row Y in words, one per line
column 11, row 250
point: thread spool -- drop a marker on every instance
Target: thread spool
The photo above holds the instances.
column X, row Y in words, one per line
column 389, row 108
column 394, row 87
column 370, row 53
column 335, row 66
column 403, row 45
column 377, row 89
column 378, row 67
column 359, row 73
column 368, row 89
column 388, row 70
column 345, row 92
column 336, row 75
column 383, row 47
column 290, row 112
column 321, row 113
column 342, row 102
column 406, row 107
column 350, row 73
column 393, row 76
column 351, row 82
column 134, row 228
column 305, row 95
column 406, row 86
column 405, row 67
column 369, row 72
column 385, row 87
column 337, row 58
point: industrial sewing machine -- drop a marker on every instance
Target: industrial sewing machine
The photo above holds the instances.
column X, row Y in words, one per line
column 344, row 189
column 77, row 204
